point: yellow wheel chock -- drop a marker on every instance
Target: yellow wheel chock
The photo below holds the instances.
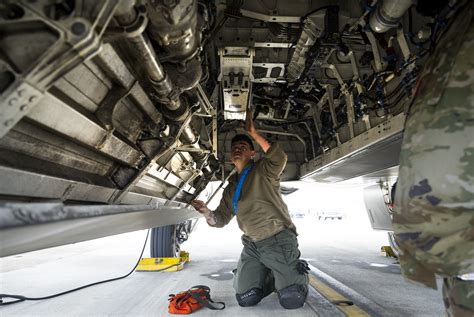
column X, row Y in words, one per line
column 387, row 251
column 163, row 264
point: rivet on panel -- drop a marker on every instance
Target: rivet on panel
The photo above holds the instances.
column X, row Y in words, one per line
column 12, row 101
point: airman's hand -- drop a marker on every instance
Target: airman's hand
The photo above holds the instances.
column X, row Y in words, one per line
column 249, row 125
column 200, row 206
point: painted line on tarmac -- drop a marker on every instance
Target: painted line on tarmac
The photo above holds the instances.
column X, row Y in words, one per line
column 342, row 303
column 321, row 305
column 341, row 296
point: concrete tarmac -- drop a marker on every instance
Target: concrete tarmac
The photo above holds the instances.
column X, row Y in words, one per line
column 344, row 255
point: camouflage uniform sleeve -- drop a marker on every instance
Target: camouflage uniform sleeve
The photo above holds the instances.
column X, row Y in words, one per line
column 224, row 212
column 433, row 218
column 274, row 161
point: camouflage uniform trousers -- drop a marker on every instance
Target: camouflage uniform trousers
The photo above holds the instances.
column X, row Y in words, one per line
column 434, row 214
column 456, row 297
column 269, row 264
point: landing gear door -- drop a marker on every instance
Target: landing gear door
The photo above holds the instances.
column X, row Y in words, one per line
column 377, row 206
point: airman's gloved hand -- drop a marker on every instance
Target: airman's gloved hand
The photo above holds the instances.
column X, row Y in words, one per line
column 302, row 267
column 201, row 207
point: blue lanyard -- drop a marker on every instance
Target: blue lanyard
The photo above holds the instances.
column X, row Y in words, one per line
column 239, row 187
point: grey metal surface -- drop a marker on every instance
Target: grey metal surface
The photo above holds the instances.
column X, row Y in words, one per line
column 41, row 50
column 17, row 182
column 391, row 172
column 27, row 139
column 112, row 102
column 20, row 239
column 14, row 106
column 374, row 150
column 28, row 214
column 117, row 80
column 377, row 209
column 20, row 183
column 56, row 115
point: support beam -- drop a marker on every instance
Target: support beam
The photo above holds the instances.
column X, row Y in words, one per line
column 30, row 227
column 59, row 117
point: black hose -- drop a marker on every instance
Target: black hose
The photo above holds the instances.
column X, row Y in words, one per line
column 21, row 298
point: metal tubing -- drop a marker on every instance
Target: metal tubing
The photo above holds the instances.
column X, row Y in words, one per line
column 288, row 134
column 311, row 137
column 221, row 185
column 189, row 138
column 152, row 66
column 162, row 83
column 175, row 26
column 125, row 12
column 329, row 90
column 192, row 140
column 148, row 59
column 388, row 14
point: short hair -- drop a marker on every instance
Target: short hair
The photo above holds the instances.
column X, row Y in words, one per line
column 242, row 137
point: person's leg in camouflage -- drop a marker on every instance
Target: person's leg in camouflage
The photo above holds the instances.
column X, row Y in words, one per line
column 434, row 201
column 252, row 280
column 281, row 255
column 458, row 297
column 269, row 265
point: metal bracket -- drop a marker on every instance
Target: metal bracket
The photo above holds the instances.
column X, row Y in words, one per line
column 77, row 39
column 365, row 117
column 186, row 148
column 107, row 107
column 203, row 100
column 355, row 69
column 375, row 51
column 169, row 146
column 270, row 18
column 214, row 133
column 270, row 67
column 350, row 113
column 195, row 174
column 272, row 45
column 333, row 112
column 315, row 111
column 402, row 41
column 348, row 96
column 16, row 104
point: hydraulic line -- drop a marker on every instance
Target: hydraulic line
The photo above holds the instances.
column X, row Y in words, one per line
column 142, row 46
column 21, row 298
